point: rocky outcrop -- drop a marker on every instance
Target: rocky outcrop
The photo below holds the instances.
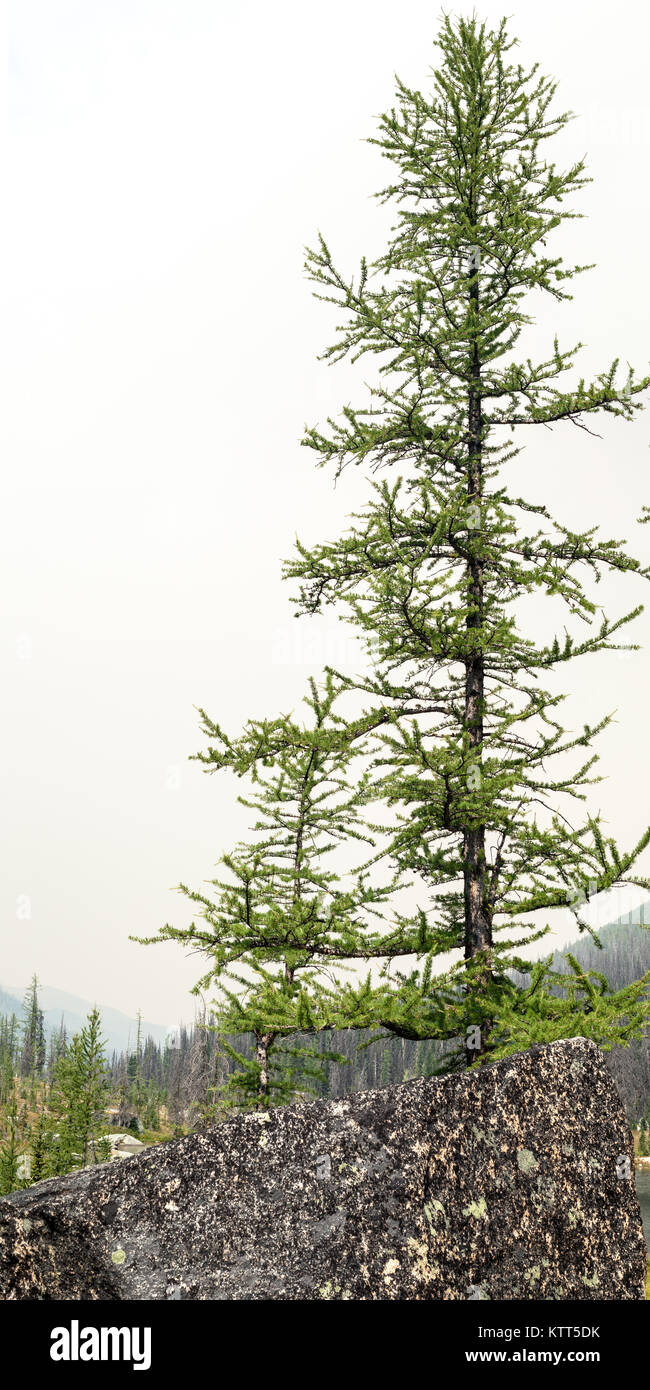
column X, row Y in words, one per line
column 513, row 1181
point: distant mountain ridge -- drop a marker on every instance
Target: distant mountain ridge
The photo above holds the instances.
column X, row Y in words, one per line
column 119, row 1029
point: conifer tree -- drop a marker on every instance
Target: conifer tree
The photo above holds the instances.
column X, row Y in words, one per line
column 41, row 1144
column 34, row 1045
column 78, row 1097
column 273, row 930
column 10, row 1179
column 451, row 541
column 9, row 1049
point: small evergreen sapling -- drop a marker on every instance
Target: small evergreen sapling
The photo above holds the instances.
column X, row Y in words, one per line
column 78, row 1098
column 279, row 927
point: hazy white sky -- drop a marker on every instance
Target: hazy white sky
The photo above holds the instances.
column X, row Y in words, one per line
column 167, row 164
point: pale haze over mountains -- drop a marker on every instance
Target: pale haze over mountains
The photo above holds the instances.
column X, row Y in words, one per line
column 119, row 1030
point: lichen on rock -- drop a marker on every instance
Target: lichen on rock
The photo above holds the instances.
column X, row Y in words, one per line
column 504, row 1182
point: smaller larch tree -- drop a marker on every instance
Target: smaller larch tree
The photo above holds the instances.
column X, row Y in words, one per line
column 279, row 931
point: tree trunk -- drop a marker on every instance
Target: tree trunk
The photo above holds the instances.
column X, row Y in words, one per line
column 262, row 1045
column 478, row 926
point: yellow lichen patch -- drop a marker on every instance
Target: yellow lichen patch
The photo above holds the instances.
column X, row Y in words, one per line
column 422, row 1270
column 433, row 1209
column 389, row 1269
column 526, row 1161
column 476, row 1209
column 330, row 1291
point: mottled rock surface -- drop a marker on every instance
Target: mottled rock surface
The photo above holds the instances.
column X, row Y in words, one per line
column 515, row 1181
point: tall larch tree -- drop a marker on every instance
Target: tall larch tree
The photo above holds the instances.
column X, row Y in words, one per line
column 435, row 568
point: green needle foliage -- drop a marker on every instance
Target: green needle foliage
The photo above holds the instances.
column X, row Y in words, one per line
column 580, row 1005
column 273, row 930
column 10, row 1180
column 434, row 570
column 78, row 1100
